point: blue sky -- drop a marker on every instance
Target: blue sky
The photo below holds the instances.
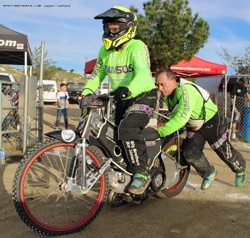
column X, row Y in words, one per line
column 71, row 34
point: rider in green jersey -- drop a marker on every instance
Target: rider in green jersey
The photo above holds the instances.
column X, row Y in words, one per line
column 126, row 62
column 191, row 106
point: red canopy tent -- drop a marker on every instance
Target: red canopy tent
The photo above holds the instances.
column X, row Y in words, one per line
column 194, row 68
column 89, row 66
column 198, row 67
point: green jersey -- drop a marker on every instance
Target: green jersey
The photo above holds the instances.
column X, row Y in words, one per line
column 129, row 68
column 187, row 103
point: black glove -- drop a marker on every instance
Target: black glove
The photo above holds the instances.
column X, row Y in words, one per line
column 121, row 92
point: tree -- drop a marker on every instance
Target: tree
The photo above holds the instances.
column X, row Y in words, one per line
column 170, row 31
column 49, row 68
column 239, row 63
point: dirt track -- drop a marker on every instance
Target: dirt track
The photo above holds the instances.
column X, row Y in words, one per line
column 221, row 211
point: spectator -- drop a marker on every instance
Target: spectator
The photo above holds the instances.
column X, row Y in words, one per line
column 239, row 93
column 62, row 106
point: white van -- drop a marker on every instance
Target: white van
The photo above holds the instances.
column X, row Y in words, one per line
column 49, row 91
column 103, row 89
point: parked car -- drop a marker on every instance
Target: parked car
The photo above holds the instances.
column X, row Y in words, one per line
column 7, row 77
column 74, row 90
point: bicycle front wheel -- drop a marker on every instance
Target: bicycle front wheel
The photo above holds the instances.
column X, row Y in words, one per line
column 38, row 193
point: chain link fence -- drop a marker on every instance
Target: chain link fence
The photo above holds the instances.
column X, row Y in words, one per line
column 16, row 106
column 242, row 121
column 11, row 134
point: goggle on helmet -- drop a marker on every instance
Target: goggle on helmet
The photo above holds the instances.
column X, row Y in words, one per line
column 127, row 22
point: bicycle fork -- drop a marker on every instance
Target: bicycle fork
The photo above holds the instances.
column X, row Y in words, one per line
column 88, row 178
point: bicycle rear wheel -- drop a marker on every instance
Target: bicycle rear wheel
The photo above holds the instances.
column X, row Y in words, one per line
column 39, row 195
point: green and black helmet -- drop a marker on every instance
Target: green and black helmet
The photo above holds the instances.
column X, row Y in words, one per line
column 127, row 22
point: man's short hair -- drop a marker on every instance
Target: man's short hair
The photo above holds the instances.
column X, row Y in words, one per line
column 170, row 74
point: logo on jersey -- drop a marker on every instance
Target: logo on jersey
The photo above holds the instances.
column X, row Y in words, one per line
column 119, row 69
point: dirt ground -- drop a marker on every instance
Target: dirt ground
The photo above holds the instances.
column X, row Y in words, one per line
column 221, row 211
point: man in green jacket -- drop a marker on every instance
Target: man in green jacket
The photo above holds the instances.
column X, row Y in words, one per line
column 192, row 106
column 126, row 62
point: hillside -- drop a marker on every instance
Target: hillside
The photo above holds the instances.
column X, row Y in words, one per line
column 60, row 76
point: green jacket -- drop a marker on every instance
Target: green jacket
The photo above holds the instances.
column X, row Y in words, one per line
column 187, row 103
column 129, row 68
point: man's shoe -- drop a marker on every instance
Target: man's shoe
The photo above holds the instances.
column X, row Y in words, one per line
column 139, row 184
column 207, row 182
column 241, row 178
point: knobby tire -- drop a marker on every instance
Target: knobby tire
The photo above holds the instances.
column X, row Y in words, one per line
column 39, row 198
